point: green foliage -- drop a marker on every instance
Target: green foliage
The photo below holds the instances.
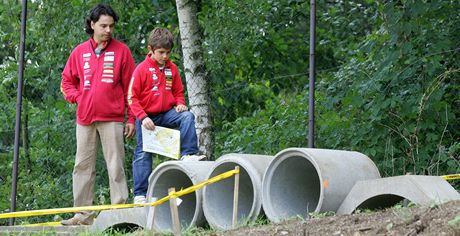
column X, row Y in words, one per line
column 319, row 215
column 364, row 211
column 391, row 91
column 455, row 223
column 267, row 131
column 246, row 48
column 254, row 53
column 399, row 105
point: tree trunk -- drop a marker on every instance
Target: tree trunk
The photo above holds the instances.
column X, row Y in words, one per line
column 195, row 74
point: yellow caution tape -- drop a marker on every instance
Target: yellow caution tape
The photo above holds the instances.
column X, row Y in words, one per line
column 451, row 177
column 188, row 190
column 58, row 223
column 64, row 210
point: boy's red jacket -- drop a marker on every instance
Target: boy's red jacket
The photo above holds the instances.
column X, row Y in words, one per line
column 99, row 85
column 153, row 91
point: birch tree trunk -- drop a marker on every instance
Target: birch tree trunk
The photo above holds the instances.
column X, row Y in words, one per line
column 195, row 74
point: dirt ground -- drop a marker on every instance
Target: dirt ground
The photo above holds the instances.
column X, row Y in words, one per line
column 436, row 220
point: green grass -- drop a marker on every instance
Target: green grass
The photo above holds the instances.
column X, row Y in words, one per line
column 455, row 223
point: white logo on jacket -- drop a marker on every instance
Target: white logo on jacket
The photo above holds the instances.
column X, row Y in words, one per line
column 109, row 58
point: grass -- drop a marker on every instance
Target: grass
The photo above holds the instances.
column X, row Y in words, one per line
column 455, row 223
column 319, row 215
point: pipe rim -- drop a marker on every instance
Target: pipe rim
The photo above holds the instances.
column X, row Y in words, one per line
column 244, row 165
column 280, row 157
column 173, row 166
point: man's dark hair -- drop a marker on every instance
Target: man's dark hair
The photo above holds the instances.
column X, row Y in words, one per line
column 161, row 38
column 95, row 14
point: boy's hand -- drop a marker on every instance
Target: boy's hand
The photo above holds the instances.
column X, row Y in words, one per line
column 148, row 123
column 129, row 130
column 181, row 108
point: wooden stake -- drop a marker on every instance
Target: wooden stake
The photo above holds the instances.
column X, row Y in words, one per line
column 235, row 197
column 174, row 213
column 151, row 215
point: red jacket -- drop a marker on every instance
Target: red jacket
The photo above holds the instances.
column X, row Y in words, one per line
column 153, row 91
column 99, row 85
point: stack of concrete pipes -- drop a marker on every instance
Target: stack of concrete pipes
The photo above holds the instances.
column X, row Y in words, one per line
column 294, row 182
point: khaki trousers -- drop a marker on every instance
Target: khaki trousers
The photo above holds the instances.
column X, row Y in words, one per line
column 110, row 135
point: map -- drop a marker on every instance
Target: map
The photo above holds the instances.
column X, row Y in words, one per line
column 163, row 141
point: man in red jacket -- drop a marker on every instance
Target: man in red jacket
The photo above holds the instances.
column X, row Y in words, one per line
column 96, row 78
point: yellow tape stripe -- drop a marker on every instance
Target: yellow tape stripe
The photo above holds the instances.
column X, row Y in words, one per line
column 118, row 206
column 451, row 177
column 58, row 223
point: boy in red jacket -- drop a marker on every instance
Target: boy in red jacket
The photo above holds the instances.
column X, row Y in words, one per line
column 156, row 97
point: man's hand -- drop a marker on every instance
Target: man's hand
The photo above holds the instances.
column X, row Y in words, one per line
column 181, row 108
column 129, row 130
column 148, row 123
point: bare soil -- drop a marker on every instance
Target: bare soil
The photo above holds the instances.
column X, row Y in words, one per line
column 436, row 220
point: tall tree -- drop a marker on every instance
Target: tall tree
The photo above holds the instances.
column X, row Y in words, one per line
column 195, row 73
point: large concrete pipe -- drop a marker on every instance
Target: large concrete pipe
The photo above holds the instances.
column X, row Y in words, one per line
column 178, row 175
column 386, row 192
column 128, row 219
column 303, row 180
column 218, row 197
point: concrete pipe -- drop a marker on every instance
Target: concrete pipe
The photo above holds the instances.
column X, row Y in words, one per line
column 178, row 175
column 303, row 180
column 218, row 197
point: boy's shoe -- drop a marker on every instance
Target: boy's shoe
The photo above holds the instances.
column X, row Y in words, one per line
column 79, row 219
column 192, row 157
column 139, row 199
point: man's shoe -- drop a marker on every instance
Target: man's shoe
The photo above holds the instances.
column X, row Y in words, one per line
column 192, row 157
column 79, row 219
column 139, row 199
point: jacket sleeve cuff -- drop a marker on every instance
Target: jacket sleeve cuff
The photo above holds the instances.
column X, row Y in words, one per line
column 131, row 120
column 73, row 98
column 142, row 117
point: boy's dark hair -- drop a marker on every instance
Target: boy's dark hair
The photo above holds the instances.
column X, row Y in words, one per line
column 95, row 14
column 161, row 38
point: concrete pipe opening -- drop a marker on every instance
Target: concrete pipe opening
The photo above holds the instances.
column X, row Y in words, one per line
column 178, row 175
column 380, row 202
column 122, row 228
column 302, row 180
column 218, row 197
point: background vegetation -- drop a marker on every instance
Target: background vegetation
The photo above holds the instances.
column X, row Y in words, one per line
column 388, row 83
